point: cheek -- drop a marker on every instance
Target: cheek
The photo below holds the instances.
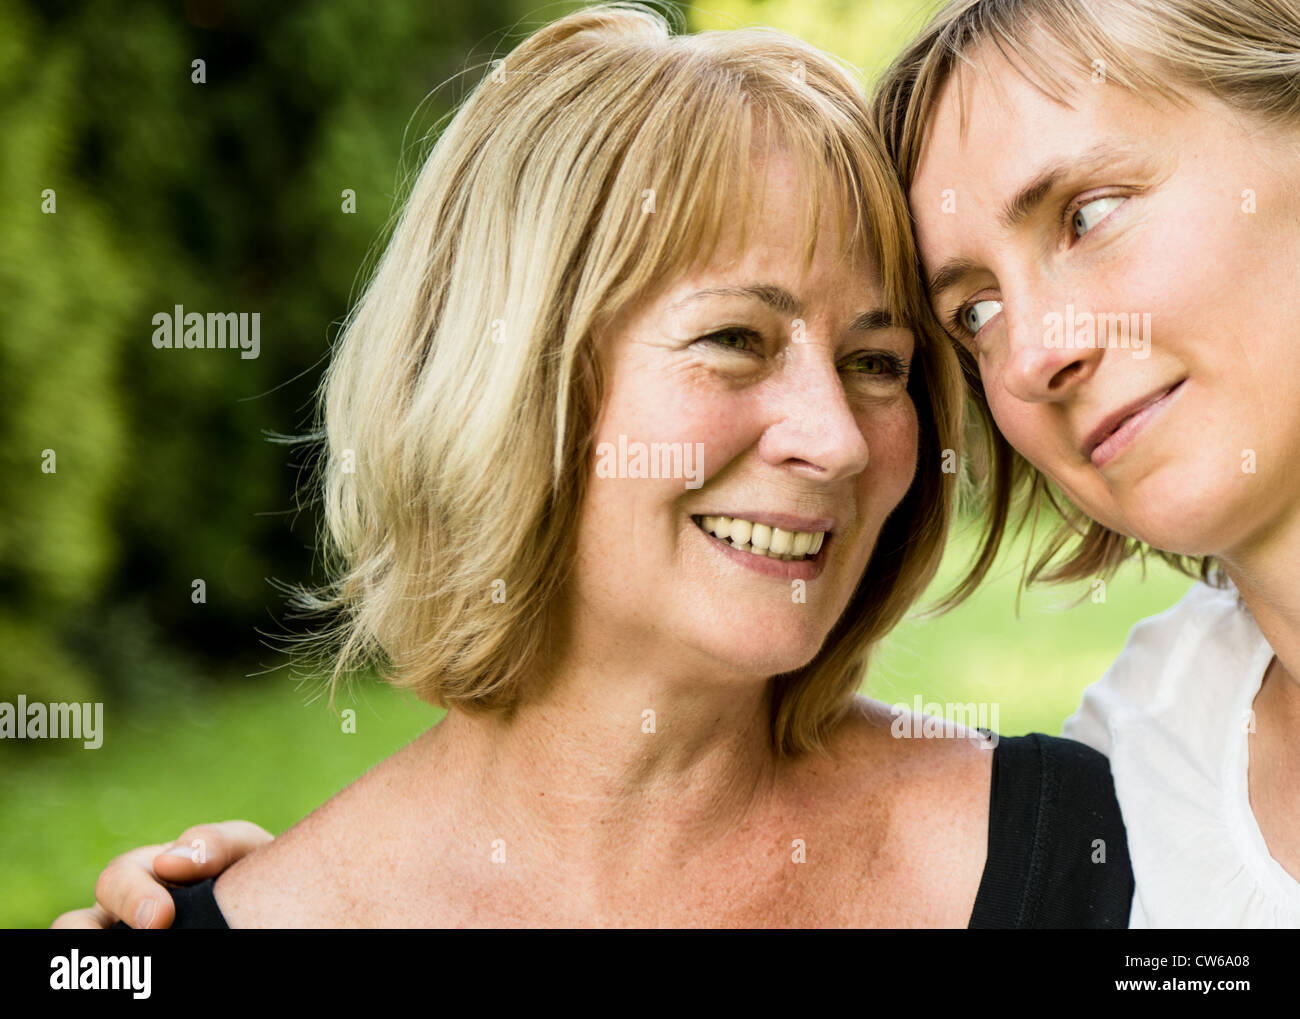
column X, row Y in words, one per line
column 1041, row 441
column 687, row 405
column 1209, row 278
column 1023, row 425
column 659, row 440
column 1009, row 416
column 1177, row 272
column 893, row 447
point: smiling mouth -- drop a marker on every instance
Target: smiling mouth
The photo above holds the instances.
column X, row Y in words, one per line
column 1109, row 441
column 762, row 540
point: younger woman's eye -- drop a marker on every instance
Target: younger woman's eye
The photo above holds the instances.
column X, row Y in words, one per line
column 976, row 315
column 1090, row 214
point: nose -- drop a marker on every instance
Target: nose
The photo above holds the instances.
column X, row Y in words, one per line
column 814, row 431
column 1042, row 362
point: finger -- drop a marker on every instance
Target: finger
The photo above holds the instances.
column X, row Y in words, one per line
column 91, row 918
column 208, row 849
column 128, row 889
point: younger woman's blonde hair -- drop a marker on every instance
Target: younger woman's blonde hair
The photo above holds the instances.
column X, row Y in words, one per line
column 1244, row 52
column 597, row 160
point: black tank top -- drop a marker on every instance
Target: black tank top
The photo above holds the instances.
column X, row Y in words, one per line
column 1057, row 855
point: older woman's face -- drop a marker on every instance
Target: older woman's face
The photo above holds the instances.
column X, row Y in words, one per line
column 774, row 398
column 1127, row 274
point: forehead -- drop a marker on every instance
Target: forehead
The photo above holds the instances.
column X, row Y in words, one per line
column 775, row 233
column 793, row 225
column 990, row 120
column 992, row 131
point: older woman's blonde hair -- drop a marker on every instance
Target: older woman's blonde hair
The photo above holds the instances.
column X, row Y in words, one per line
column 594, row 162
column 1246, row 53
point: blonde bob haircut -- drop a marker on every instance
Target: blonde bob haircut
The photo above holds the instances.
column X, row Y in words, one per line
column 464, row 389
column 1246, row 53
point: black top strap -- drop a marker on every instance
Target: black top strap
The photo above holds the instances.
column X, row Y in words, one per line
column 196, row 908
column 1058, row 855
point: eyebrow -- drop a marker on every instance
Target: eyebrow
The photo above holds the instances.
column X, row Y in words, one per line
column 1027, row 201
column 950, row 274
column 869, row 321
column 773, row 296
column 781, row 300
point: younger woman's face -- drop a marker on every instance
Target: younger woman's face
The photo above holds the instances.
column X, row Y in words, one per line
column 1127, row 275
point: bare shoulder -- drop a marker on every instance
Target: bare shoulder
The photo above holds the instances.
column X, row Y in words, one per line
column 923, row 801
column 336, row 865
column 922, row 760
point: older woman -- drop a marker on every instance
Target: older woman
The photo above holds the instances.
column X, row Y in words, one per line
column 1107, row 200
column 636, row 449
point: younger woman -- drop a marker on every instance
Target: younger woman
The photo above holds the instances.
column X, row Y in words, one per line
column 1107, row 204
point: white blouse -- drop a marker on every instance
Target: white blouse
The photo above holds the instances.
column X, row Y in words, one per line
column 1173, row 714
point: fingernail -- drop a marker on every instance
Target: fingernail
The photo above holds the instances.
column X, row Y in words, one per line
column 184, row 852
column 145, row 914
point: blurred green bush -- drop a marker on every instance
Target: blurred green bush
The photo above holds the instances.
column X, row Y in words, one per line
column 131, row 188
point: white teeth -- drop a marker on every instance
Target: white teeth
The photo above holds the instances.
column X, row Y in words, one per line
column 761, row 539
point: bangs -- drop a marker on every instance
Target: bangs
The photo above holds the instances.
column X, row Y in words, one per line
column 697, row 167
column 1032, row 39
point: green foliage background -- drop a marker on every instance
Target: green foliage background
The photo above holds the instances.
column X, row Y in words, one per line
column 226, row 196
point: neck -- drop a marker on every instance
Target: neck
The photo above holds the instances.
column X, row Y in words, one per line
column 615, row 760
column 1264, row 574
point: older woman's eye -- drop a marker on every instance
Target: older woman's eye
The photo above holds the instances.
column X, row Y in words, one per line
column 976, row 314
column 1089, row 215
column 732, row 339
column 879, row 363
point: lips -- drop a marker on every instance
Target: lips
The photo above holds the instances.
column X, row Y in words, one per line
column 774, row 544
column 1115, row 430
column 785, row 521
column 762, row 540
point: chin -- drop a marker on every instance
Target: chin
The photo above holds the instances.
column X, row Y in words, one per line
column 1194, row 516
column 765, row 634
column 769, row 659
